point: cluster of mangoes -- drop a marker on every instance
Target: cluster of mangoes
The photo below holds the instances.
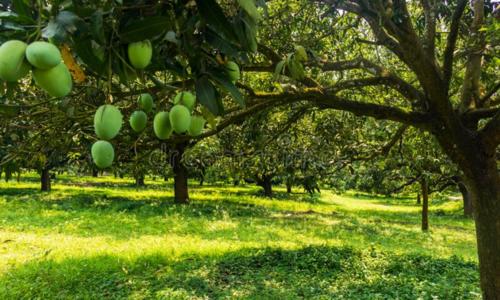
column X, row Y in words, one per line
column 50, row 73
column 179, row 118
column 108, row 122
column 108, row 119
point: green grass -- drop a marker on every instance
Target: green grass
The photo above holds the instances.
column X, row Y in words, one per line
column 103, row 238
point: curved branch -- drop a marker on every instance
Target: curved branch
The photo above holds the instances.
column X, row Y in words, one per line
column 452, row 41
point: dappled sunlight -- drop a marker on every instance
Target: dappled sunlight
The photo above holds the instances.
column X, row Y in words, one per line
column 77, row 224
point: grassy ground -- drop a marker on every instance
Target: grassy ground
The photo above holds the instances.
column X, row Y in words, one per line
column 101, row 238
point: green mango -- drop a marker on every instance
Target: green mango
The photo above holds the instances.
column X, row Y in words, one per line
column 13, row 63
column 103, row 154
column 232, row 71
column 43, row 55
column 146, row 102
column 180, row 118
column 196, row 126
column 107, row 122
column 187, row 99
column 140, row 53
column 138, row 120
column 57, row 82
column 161, row 125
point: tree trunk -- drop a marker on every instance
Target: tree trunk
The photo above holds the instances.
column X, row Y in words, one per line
column 165, row 178
column 180, row 175
column 95, row 173
column 483, row 183
column 288, row 188
column 425, row 206
column 121, row 175
column 19, row 177
column 53, row 176
column 202, row 176
column 265, row 183
column 236, row 182
column 139, row 181
column 468, row 210
column 418, row 199
column 45, row 179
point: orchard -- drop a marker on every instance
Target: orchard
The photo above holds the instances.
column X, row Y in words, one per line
column 308, row 149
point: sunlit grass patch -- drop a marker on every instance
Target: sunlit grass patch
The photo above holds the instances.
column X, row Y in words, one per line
column 103, row 237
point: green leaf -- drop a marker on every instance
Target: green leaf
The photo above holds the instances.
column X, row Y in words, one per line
column 301, row 51
column 96, row 27
column 279, row 68
column 13, row 26
column 221, row 78
column 86, row 53
column 22, row 8
column 213, row 15
column 262, row 3
column 70, row 21
column 209, row 117
column 250, row 8
column 250, row 34
column 296, row 69
column 145, row 29
column 13, row 17
column 56, row 31
column 239, row 28
column 224, row 46
column 205, row 92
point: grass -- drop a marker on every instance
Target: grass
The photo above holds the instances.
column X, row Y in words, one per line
column 104, row 239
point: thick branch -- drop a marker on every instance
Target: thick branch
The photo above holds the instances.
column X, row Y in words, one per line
column 430, row 27
column 384, row 76
column 451, row 42
column 470, row 88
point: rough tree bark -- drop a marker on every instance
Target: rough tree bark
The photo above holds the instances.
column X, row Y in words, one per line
column 45, row 180
column 180, row 175
column 425, row 205
column 483, row 182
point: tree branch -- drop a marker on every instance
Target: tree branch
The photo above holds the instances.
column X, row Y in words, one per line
column 470, row 88
column 451, row 42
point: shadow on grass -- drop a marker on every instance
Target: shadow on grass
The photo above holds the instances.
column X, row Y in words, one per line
column 313, row 272
column 118, row 217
